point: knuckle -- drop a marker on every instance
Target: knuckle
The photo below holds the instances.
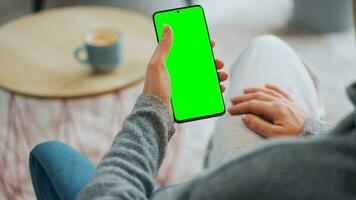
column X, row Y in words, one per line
column 273, row 93
column 258, row 128
column 255, row 126
column 267, row 90
column 258, row 94
column 253, row 102
column 283, row 108
column 275, row 104
column 153, row 61
column 278, row 131
column 250, row 123
column 252, row 105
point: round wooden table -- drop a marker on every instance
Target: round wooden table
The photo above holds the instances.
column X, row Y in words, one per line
column 36, row 60
column 36, row 51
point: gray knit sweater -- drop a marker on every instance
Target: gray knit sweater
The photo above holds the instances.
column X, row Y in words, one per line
column 316, row 168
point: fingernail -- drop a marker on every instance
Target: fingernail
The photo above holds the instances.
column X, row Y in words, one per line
column 165, row 28
column 245, row 118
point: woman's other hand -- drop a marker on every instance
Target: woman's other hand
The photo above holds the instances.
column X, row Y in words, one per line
column 269, row 111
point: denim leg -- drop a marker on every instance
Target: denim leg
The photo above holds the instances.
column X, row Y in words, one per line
column 58, row 171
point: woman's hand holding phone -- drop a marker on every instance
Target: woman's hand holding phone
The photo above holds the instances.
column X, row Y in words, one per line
column 157, row 81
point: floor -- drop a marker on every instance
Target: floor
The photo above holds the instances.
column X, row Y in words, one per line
column 232, row 24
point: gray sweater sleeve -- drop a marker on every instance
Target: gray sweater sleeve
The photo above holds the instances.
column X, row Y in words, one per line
column 127, row 171
column 314, row 127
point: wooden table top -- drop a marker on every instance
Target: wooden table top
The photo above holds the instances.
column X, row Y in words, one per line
column 36, row 51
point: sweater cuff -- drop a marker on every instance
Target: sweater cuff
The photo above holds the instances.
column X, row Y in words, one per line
column 160, row 107
column 314, row 127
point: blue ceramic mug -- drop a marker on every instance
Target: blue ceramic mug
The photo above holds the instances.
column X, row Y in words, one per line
column 103, row 50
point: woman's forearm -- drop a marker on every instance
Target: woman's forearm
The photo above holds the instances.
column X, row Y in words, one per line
column 128, row 170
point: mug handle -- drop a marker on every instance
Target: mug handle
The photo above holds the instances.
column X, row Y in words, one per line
column 77, row 53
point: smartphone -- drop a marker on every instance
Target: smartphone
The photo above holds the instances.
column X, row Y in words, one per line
column 195, row 88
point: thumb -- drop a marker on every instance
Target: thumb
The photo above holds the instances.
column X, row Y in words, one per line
column 164, row 45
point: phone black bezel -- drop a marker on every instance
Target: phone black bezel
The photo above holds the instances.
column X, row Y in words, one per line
column 206, row 24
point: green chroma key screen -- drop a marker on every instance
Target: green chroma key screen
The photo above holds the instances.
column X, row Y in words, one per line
column 195, row 85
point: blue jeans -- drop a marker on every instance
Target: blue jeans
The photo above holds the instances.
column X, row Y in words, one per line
column 58, row 171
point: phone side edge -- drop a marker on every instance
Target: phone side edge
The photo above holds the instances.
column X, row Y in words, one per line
column 217, row 74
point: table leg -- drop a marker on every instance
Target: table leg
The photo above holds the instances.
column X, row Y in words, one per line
column 189, row 2
column 37, row 5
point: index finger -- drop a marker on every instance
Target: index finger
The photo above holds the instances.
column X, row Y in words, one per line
column 256, row 107
column 212, row 43
column 264, row 90
column 219, row 63
column 279, row 90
